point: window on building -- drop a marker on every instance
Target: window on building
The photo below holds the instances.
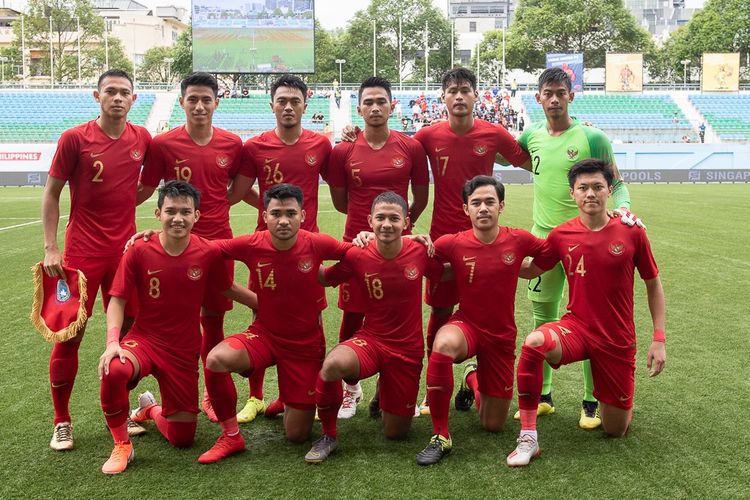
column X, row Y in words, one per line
column 472, row 26
column 464, row 56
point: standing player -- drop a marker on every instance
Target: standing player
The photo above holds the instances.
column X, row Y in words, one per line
column 555, row 145
column 485, row 260
column 292, row 155
column 600, row 257
column 287, row 332
column 100, row 160
column 390, row 342
column 378, row 160
column 459, row 149
column 170, row 275
column 209, row 158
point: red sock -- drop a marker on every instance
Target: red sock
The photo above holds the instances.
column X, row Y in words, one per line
column 351, row 322
column 230, row 426
column 530, row 377
column 473, row 383
column 439, row 391
column 213, row 333
column 113, row 394
column 63, row 367
column 328, row 397
column 179, row 434
column 222, row 392
column 436, row 321
column 256, row 383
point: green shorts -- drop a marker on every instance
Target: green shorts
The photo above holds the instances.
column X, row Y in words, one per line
column 549, row 286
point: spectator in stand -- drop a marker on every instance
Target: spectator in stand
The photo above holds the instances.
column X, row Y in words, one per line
column 513, row 88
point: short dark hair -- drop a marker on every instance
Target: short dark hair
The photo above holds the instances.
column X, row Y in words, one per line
column 458, row 75
column 282, row 192
column 201, row 79
column 591, row 166
column 390, row 197
column 113, row 73
column 375, row 81
column 483, row 180
column 179, row 189
column 554, row 75
column 292, row 81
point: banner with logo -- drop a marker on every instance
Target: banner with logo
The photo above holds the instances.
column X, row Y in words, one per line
column 624, row 73
column 721, row 72
column 30, row 157
column 572, row 64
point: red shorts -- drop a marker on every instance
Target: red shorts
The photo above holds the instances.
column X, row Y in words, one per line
column 495, row 359
column 441, row 294
column 399, row 374
column 351, row 298
column 297, row 371
column 176, row 373
column 100, row 273
column 215, row 300
column 612, row 368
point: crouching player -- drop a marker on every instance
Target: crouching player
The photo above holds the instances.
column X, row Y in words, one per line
column 287, row 331
column 171, row 275
column 485, row 261
column 599, row 256
column 389, row 274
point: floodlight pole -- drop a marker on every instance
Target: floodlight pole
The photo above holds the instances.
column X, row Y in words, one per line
column 169, row 61
column 426, row 54
column 400, row 83
column 3, row 60
column 685, row 63
column 340, row 62
column 23, row 50
column 51, row 68
column 78, row 37
column 453, row 29
column 374, row 50
column 106, row 44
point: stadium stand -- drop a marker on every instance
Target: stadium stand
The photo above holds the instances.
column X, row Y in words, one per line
column 728, row 115
column 627, row 118
column 41, row 116
column 251, row 115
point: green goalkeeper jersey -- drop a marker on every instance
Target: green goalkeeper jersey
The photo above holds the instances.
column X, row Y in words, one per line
column 551, row 159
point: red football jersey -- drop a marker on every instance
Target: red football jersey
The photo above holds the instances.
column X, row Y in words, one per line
column 599, row 266
column 366, row 172
column 290, row 298
column 454, row 159
column 392, row 292
column 268, row 159
column 487, row 274
column 171, row 290
column 210, row 168
column 103, row 177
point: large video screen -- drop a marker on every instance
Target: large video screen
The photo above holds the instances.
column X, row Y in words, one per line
column 254, row 36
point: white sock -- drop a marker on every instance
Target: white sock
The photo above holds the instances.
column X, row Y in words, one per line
column 528, row 433
column 353, row 388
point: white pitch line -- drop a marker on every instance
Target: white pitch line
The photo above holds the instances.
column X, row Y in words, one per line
column 38, row 221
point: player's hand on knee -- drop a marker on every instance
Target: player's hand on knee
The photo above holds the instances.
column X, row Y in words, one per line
column 349, row 133
column 146, row 234
column 112, row 351
column 363, row 239
column 627, row 217
column 53, row 263
column 657, row 358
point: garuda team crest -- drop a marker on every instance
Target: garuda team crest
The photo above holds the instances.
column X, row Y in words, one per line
column 509, row 258
column 411, row 272
column 194, row 273
column 616, row 248
column 311, row 160
column 398, row 162
column 136, row 154
column 480, row 149
column 222, row 161
column 572, row 153
column 305, row 265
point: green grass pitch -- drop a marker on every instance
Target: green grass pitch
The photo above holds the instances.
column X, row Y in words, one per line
column 688, row 439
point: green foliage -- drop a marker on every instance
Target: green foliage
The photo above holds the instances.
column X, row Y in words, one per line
column 593, row 27
column 154, row 69
column 326, row 50
column 182, row 52
column 356, row 43
column 722, row 26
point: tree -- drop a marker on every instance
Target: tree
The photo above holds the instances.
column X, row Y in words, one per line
column 593, row 27
column 182, row 52
column 326, row 53
column 154, row 69
column 356, row 44
column 64, row 15
column 722, row 26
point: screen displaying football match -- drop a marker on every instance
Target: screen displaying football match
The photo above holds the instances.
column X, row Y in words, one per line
column 254, row 36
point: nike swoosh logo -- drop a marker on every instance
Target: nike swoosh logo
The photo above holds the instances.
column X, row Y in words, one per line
column 437, row 150
column 509, row 388
column 178, row 162
column 409, row 406
column 573, row 247
column 263, row 264
column 523, row 394
column 355, row 163
column 624, row 398
column 370, row 275
column 150, row 272
column 269, row 160
column 311, row 393
column 468, row 258
column 95, row 155
column 320, row 299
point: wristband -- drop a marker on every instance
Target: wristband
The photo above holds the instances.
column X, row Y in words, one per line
column 113, row 334
column 659, row 336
